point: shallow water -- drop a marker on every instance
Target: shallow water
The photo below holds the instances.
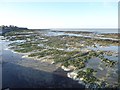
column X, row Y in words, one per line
column 104, row 48
column 103, row 71
column 50, row 33
column 91, row 30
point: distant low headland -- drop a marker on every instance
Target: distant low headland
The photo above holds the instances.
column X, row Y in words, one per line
column 4, row 29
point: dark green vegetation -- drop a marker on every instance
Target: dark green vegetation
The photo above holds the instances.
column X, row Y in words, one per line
column 109, row 63
column 67, row 50
column 88, row 76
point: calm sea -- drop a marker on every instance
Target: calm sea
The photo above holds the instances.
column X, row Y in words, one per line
column 91, row 30
column 88, row 30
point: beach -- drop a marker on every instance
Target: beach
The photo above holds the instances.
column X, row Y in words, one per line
column 42, row 53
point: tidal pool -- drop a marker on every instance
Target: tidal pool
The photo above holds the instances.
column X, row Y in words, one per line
column 104, row 48
column 108, row 74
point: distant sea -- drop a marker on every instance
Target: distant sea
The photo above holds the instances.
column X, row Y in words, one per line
column 88, row 30
column 91, row 30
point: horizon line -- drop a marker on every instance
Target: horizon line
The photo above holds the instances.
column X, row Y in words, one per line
column 67, row 28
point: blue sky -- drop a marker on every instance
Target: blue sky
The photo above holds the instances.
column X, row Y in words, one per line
column 60, row 14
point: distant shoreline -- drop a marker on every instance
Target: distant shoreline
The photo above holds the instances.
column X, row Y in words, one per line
column 89, row 30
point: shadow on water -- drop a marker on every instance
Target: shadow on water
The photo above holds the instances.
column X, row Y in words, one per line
column 16, row 76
